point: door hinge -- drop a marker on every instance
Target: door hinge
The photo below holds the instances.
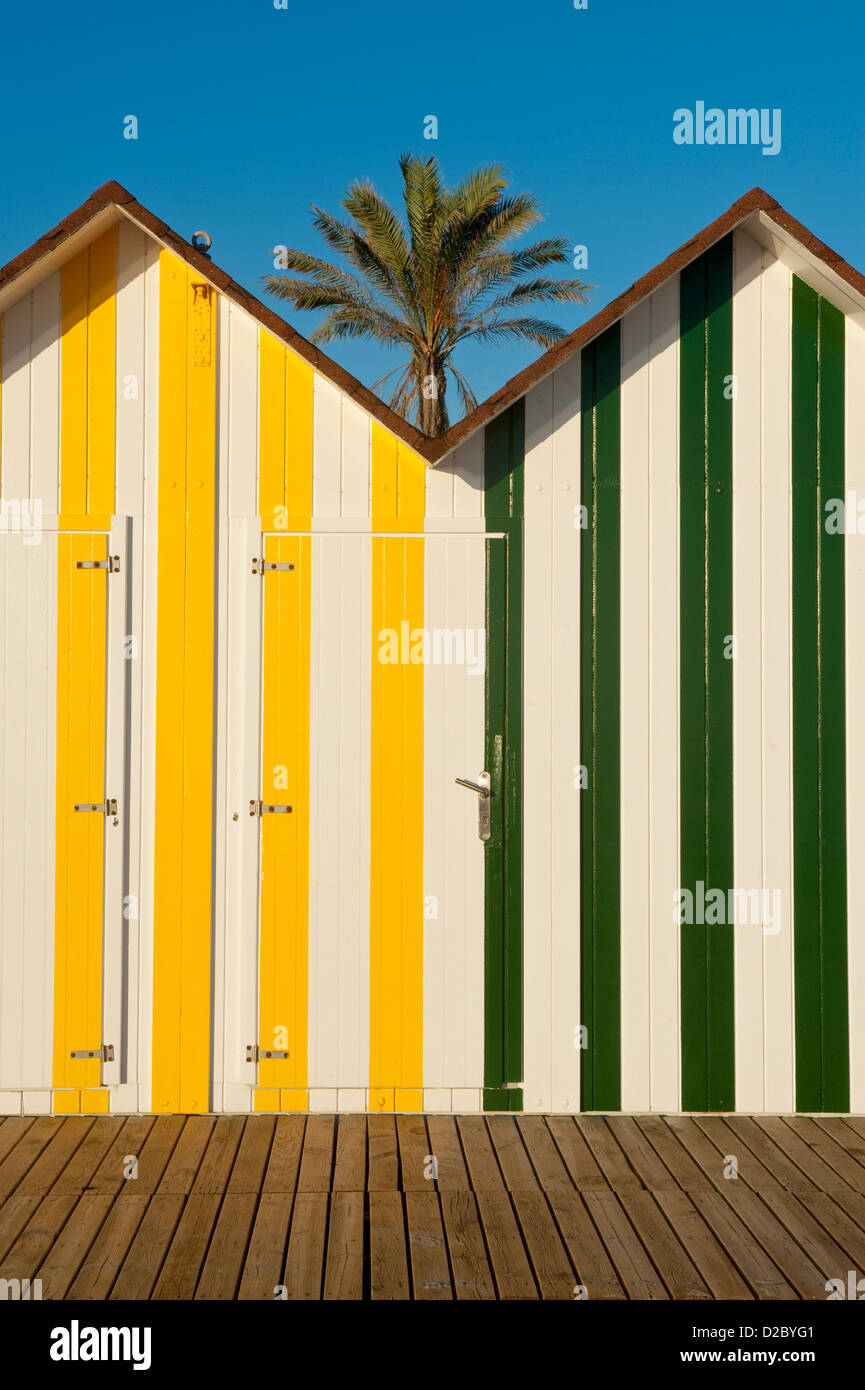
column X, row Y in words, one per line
column 262, row 566
column 263, row 808
column 112, row 564
column 108, row 808
column 105, row 1052
column 254, row 1053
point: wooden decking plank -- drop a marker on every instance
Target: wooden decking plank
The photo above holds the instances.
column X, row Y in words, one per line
column 44, row 1172
column 472, row 1278
column 576, row 1154
column 674, row 1265
column 316, row 1164
column 265, row 1257
column 75, row 1177
column 447, row 1151
column 12, row 1131
column 250, row 1165
column 695, row 1161
column 72, row 1247
column 14, row 1215
column 140, row 1271
column 349, row 1172
column 186, row 1157
column 796, row 1267
column 508, row 1259
column 643, row 1158
column 594, row 1269
column 343, row 1269
column 630, row 1261
column 762, row 1275
column 756, row 1155
column 37, row 1238
column 156, row 1150
column 110, row 1176
column 824, row 1144
column 414, row 1151
column 388, row 1260
column 611, row 1161
column 219, row 1156
column 847, row 1232
column 304, row 1266
column 517, row 1170
column 20, row 1159
column 383, row 1165
column 481, row 1162
column 694, row 1234
column 223, row 1264
column 547, row 1254
column 788, row 1143
column 818, row 1245
column 843, row 1133
column 283, row 1165
column 430, row 1274
column 105, row 1259
column 547, row 1162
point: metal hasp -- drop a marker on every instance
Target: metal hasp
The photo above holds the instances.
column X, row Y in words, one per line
column 254, row 1053
column 262, row 566
column 482, row 787
column 108, row 808
column 86, row 1054
column 261, row 808
column 112, row 564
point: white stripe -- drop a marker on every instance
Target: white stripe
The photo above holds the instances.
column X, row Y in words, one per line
column 747, row 666
column 355, row 487
column 854, row 468
column 635, row 704
column 453, row 859
column 339, row 843
column 15, row 439
column 242, row 348
column 45, row 393
column 664, row 965
column 777, row 786
column 326, row 446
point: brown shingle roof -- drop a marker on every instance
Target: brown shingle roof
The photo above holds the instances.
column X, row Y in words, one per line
column 757, row 200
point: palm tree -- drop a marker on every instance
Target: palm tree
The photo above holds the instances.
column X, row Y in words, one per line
column 446, row 279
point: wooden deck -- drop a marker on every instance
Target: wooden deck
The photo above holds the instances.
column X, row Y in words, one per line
column 522, row 1207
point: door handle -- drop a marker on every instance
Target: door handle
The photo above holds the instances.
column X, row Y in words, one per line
column 482, row 787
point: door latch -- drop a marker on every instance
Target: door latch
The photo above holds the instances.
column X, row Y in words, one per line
column 105, row 1053
column 262, row 566
column 254, row 1053
column 264, row 808
column 482, row 787
column 108, row 808
column 112, row 564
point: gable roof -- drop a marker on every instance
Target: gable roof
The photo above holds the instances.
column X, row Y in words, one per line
column 763, row 214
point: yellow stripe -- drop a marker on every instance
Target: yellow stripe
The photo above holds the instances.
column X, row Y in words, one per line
column 88, row 386
column 79, row 836
column 184, row 690
column 285, row 503
column 396, row 777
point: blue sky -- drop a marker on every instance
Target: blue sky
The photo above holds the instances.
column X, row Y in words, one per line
column 248, row 114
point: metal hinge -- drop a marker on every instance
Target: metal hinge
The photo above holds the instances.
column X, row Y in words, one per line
column 105, row 1052
column 262, row 808
column 112, row 564
column 254, row 1053
column 108, row 808
column 262, row 566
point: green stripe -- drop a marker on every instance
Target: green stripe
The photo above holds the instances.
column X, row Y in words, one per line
column 706, row 673
column 504, row 450
column 600, row 738
column 819, row 780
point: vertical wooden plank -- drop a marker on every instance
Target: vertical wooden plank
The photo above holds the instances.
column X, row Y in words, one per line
column 600, row 849
column 45, row 381
column 15, row 474
column 635, row 867
column 80, row 835
column 271, row 428
column 245, row 402
column 504, row 509
column 819, row 793
column 101, row 374
column 396, row 780
column 327, row 447
column 541, row 758
column 355, row 485
column 184, row 714
column 74, row 289
column 706, row 598
column 777, row 685
column 747, row 670
column 854, row 467
column 664, row 986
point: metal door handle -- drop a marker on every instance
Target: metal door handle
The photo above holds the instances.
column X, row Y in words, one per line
column 482, row 787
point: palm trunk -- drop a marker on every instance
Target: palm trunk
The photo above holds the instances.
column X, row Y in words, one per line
column 431, row 389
